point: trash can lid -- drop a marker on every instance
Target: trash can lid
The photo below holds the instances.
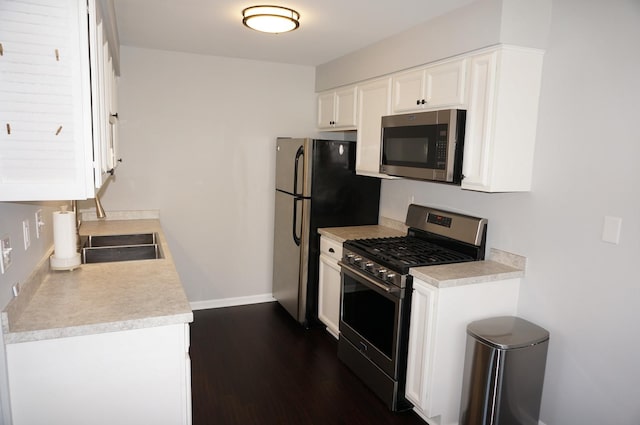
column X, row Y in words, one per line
column 507, row 332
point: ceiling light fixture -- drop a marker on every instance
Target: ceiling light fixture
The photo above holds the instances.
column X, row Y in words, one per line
column 272, row 19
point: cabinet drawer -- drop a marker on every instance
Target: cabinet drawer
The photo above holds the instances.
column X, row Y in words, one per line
column 331, row 248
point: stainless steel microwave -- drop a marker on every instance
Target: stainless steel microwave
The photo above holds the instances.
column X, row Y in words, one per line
column 424, row 145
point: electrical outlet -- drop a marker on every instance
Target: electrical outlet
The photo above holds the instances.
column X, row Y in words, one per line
column 26, row 234
column 16, row 289
column 5, row 253
column 39, row 223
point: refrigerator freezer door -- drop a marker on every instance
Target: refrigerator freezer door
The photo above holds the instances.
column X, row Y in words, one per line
column 290, row 253
column 293, row 160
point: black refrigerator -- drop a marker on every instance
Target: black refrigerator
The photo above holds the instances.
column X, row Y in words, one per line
column 316, row 186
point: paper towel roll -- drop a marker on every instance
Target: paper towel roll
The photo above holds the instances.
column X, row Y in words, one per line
column 65, row 239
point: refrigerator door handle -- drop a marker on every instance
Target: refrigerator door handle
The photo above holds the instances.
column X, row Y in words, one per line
column 299, row 154
column 297, row 239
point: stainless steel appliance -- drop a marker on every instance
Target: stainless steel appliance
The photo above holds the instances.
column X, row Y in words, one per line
column 376, row 292
column 316, row 186
column 503, row 372
column 424, row 145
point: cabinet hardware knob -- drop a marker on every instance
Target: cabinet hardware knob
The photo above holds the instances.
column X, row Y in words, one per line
column 423, row 101
column 418, row 102
column 115, row 115
column 331, row 250
column 111, row 171
column 119, row 159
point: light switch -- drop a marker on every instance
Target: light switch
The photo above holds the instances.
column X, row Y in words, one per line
column 611, row 229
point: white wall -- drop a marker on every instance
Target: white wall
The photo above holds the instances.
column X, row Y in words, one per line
column 584, row 291
column 23, row 263
column 197, row 141
column 479, row 24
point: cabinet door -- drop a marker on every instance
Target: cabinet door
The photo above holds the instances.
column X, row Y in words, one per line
column 501, row 119
column 45, row 139
column 345, row 108
column 325, row 110
column 420, row 361
column 329, row 284
column 103, row 86
column 445, row 84
column 408, row 91
column 479, row 122
column 373, row 104
column 329, row 294
column 139, row 376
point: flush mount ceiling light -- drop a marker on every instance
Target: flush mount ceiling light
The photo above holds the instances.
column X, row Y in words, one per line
column 273, row 19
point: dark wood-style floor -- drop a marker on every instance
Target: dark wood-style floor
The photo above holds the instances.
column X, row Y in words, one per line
column 256, row 365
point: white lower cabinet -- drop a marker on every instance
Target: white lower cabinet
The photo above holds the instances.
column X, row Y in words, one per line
column 437, row 338
column 140, row 376
column 329, row 285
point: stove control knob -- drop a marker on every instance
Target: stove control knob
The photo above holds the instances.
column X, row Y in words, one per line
column 368, row 266
column 382, row 273
column 356, row 261
column 390, row 276
column 349, row 257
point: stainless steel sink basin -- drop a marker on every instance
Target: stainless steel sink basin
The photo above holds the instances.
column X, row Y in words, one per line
column 112, row 248
column 121, row 240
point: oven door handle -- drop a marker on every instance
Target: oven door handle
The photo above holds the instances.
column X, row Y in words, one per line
column 388, row 289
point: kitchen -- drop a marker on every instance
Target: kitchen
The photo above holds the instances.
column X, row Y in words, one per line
column 182, row 147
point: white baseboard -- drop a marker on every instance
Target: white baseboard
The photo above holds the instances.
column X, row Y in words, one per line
column 230, row 302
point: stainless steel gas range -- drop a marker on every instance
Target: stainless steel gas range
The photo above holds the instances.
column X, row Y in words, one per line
column 376, row 292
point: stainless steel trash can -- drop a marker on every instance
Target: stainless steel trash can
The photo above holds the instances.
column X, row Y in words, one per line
column 503, row 372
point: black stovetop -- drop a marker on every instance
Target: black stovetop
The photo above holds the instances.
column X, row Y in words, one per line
column 402, row 253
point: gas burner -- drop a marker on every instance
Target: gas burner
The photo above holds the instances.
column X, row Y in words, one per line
column 406, row 251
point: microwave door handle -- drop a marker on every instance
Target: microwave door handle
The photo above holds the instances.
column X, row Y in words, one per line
column 299, row 154
column 297, row 239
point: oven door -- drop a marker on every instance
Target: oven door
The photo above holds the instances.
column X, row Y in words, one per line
column 371, row 315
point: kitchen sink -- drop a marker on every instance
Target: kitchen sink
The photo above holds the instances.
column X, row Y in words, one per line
column 112, row 248
column 121, row 240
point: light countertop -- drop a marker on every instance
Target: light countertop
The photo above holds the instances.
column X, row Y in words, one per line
column 341, row 234
column 101, row 297
column 387, row 228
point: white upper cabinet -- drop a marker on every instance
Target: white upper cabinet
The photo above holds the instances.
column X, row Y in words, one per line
column 104, row 101
column 430, row 87
column 374, row 102
column 337, row 109
column 502, row 116
column 47, row 85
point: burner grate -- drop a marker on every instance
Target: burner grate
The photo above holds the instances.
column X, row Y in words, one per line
column 409, row 251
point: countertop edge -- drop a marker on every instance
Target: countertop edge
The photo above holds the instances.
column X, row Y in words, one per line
column 428, row 277
column 98, row 328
